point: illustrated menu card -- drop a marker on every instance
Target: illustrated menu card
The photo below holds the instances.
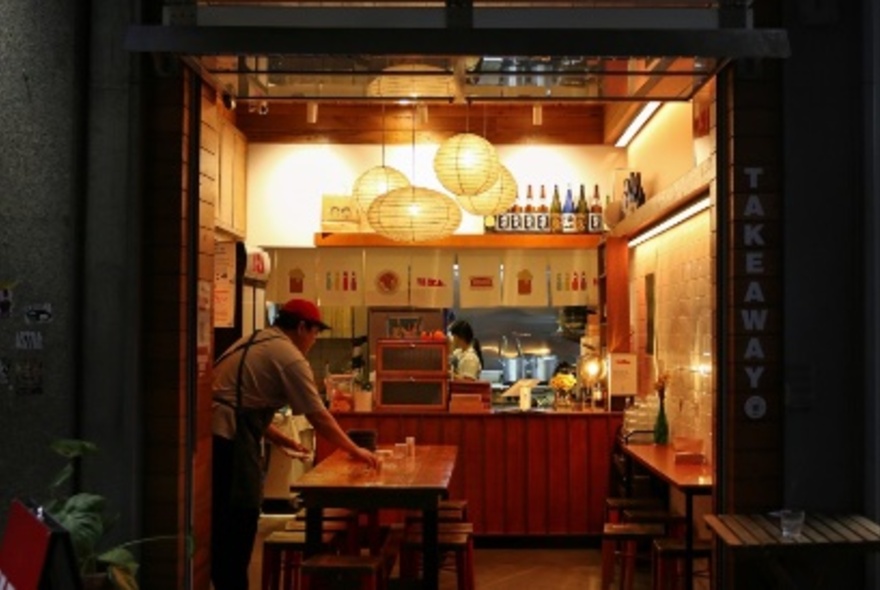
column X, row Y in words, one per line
column 430, row 283
column 224, row 284
column 293, row 275
column 525, row 279
column 387, row 272
column 479, row 273
column 340, row 276
column 573, row 277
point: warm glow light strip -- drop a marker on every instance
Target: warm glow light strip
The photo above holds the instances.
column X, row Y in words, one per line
column 637, row 123
column 671, row 222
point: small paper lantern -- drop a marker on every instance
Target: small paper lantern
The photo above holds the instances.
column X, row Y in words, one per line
column 414, row 214
column 376, row 181
column 466, row 164
column 494, row 201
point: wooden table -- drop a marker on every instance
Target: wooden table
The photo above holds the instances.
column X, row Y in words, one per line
column 408, row 483
column 762, row 532
column 692, row 480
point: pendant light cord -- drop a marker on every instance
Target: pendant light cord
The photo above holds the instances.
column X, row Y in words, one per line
column 414, row 113
column 383, row 134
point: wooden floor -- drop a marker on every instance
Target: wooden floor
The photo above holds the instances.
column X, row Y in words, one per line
column 501, row 569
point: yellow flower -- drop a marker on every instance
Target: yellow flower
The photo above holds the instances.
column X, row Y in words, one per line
column 563, row 381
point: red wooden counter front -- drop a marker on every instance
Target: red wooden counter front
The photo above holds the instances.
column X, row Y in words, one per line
column 522, row 474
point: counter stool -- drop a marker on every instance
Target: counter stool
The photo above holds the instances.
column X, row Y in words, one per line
column 629, row 535
column 460, row 505
column 343, row 515
column 667, row 561
column 282, row 558
column 674, row 523
column 343, row 572
column 443, row 515
column 344, row 536
column 460, row 544
column 614, row 508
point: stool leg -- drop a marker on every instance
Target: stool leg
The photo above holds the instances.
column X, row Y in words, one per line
column 608, row 549
column 470, row 577
column 659, row 573
column 407, row 565
column 628, row 565
column 461, row 570
column 270, row 569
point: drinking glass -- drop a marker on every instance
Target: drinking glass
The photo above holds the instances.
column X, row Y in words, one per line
column 792, row 523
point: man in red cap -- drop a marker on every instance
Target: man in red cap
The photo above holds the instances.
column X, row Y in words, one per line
column 254, row 378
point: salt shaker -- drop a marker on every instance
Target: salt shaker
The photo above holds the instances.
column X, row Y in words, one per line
column 410, row 446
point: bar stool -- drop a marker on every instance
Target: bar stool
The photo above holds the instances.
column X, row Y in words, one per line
column 675, row 524
column 460, row 544
column 343, row 572
column 344, row 515
column 282, row 558
column 614, row 509
column 344, row 537
column 667, row 561
column 629, row 535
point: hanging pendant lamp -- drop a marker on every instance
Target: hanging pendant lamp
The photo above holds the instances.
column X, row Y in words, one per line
column 414, row 214
column 494, row 201
column 466, row 164
column 377, row 180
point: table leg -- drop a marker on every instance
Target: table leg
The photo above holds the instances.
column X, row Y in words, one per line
column 431, row 557
column 314, row 518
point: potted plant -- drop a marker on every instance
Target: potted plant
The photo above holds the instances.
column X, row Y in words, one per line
column 84, row 516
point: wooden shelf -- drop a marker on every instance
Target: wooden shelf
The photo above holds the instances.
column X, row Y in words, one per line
column 528, row 241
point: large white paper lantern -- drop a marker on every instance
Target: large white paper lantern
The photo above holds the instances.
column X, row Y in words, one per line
column 376, row 181
column 414, row 214
column 466, row 164
column 494, row 201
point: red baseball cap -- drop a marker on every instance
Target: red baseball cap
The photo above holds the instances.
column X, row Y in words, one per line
column 305, row 310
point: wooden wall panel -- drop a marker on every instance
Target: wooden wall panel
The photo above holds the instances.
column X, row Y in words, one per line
column 516, row 479
column 496, row 487
column 538, row 477
column 347, row 123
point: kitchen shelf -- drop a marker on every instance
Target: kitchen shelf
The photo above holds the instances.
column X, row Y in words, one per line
column 476, row 241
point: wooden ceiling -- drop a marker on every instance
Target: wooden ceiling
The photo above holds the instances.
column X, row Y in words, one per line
column 345, row 123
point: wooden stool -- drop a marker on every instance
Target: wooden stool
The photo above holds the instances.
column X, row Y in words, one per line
column 460, row 544
column 343, row 572
column 460, row 505
column 443, row 515
column 443, row 527
column 667, row 561
column 345, row 526
column 629, row 534
column 614, row 507
column 282, row 558
column 675, row 523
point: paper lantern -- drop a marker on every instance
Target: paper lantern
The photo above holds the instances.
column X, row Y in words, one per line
column 414, row 214
column 376, row 181
column 494, row 201
column 466, row 164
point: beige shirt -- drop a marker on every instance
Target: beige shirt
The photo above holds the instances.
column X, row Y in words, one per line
column 467, row 363
column 275, row 374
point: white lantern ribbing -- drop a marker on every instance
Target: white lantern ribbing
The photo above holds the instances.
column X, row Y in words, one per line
column 376, row 181
column 414, row 214
column 466, row 164
column 494, row 201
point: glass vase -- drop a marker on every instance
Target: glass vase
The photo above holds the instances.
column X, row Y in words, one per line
column 661, row 425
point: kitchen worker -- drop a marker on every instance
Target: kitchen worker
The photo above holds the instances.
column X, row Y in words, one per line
column 255, row 377
column 467, row 357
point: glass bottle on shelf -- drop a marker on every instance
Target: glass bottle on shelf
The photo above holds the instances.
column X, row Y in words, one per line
column 556, row 212
column 529, row 211
column 542, row 217
column 568, row 223
column 581, row 213
column 661, row 426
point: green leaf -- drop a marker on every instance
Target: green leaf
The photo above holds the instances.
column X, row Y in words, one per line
column 121, row 558
column 82, row 516
column 122, row 578
column 72, row 448
column 62, row 476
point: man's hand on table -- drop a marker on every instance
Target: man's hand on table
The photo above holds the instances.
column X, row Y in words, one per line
column 365, row 456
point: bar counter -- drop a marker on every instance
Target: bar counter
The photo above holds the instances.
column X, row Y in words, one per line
column 531, row 473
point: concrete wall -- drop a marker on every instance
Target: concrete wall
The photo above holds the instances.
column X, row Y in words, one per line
column 41, row 189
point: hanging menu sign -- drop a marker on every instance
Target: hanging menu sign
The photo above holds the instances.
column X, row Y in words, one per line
column 340, row 276
column 431, row 278
column 525, row 279
column 573, row 277
column 479, row 278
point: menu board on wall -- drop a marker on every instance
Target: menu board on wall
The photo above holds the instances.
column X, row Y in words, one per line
column 224, row 284
column 479, row 273
column 573, row 277
column 340, row 276
column 293, row 275
column 525, row 279
column 430, row 283
column 387, row 271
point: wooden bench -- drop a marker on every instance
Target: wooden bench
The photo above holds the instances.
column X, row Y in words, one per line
column 343, row 572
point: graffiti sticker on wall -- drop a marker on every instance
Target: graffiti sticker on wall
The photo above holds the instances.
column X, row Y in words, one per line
column 29, row 340
column 38, row 313
column 27, row 376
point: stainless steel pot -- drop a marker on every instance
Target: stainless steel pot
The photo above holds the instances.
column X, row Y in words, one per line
column 544, row 367
column 513, row 368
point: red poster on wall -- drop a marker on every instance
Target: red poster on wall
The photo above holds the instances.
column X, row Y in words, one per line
column 35, row 553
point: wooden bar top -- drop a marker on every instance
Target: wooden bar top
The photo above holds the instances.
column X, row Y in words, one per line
column 430, row 470
column 763, row 531
column 660, row 460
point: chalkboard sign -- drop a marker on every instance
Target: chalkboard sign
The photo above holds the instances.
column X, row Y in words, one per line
column 36, row 552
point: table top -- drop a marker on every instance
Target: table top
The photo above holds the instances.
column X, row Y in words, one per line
column 660, row 460
column 429, row 471
column 762, row 531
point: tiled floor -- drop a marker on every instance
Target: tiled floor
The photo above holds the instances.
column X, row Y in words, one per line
column 502, row 569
